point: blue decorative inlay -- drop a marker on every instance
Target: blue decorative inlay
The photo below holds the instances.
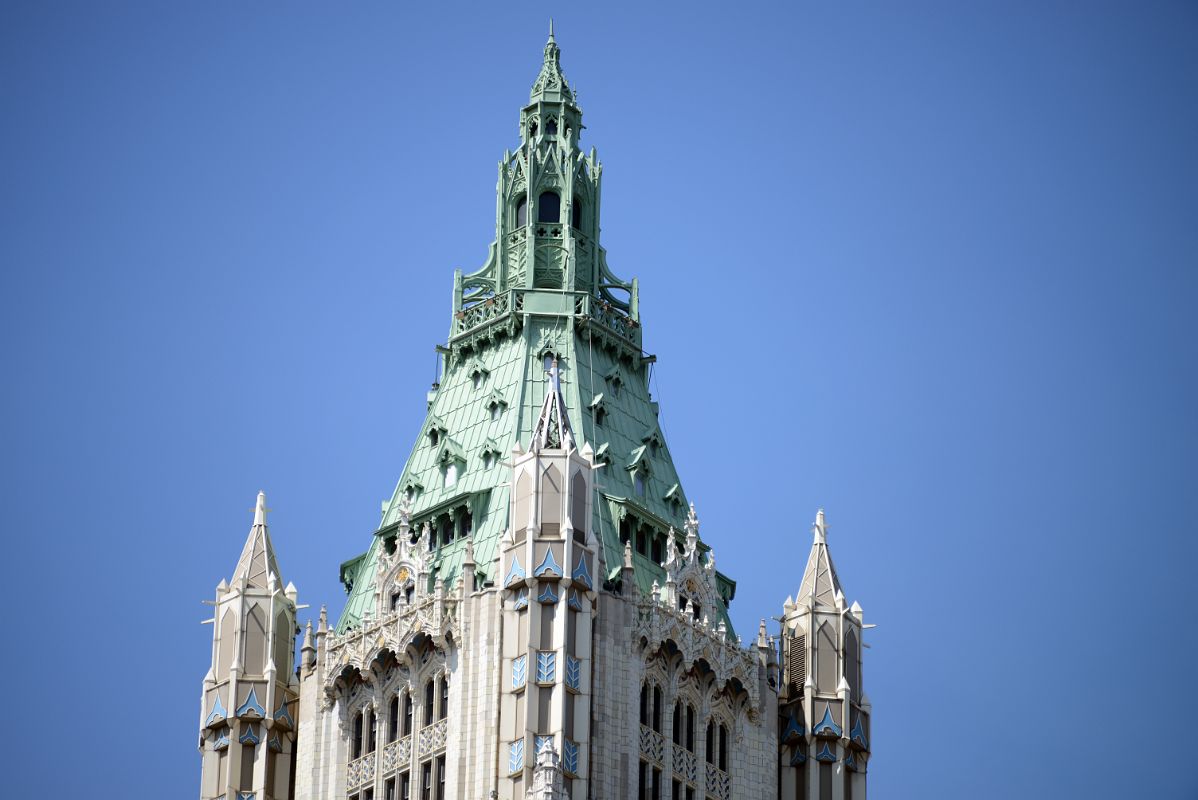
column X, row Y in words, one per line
column 794, row 729
column 541, row 742
column 250, row 736
column 283, row 715
column 218, row 712
column 825, row 754
column 275, row 744
column 827, row 724
column 858, row 734
column 573, row 673
column 548, row 565
column 245, row 796
column 515, row 756
column 850, row 762
column 798, row 756
column 581, row 573
column 222, row 741
column 574, row 602
column 251, row 704
column 519, row 672
column 547, row 594
column 546, row 667
column 570, row 756
column 521, row 601
column 514, row 573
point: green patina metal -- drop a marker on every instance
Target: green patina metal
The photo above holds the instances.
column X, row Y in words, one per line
column 544, row 291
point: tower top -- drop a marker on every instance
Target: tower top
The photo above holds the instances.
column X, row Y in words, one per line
column 553, row 425
column 820, row 582
column 257, row 564
column 551, row 85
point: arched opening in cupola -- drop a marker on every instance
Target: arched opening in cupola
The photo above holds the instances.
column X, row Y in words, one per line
column 522, row 211
column 549, row 207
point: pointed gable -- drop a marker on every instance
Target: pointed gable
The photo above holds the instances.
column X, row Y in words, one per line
column 257, row 562
column 819, row 578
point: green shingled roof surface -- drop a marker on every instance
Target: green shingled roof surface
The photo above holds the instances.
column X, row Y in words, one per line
column 514, row 368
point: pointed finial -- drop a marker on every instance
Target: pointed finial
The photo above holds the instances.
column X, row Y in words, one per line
column 628, row 554
column 260, row 509
column 551, row 29
column 820, row 529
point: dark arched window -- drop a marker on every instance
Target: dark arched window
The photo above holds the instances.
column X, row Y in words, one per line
column 576, row 212
column 443, row 706
column 393, row 720
column 549, row 207
column 357, row 749
column 428, row 703
column 644, row 704
column 522, row 211
column 551, row 127
column 657, row 708
column 407, row 714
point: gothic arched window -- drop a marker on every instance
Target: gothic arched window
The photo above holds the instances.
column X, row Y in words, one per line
column 393, row 720
column 550, row 130
column 428, row 702
column 549, row 207
column 576, row 212
column 443, row 706
column 522, row 211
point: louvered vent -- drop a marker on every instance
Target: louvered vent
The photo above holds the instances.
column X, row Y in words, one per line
column 796, row 664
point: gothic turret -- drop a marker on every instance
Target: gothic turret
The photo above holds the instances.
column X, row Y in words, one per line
column 247, row 713
column 824, row 715
column 548, row 562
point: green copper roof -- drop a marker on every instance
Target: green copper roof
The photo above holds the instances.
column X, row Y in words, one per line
column 508, row 319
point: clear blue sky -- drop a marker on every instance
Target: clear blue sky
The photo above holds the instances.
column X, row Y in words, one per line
column 931, row 266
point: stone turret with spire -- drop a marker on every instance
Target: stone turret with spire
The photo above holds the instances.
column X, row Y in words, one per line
column 824, row 712
column 548, row 562
column 247, row 711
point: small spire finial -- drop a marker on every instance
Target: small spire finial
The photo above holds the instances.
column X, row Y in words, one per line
column 551, row 29
column 820, row 529
column 260, row 509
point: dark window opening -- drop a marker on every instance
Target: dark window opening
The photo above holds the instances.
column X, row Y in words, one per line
column 532, row 128
column 407, row 713
column 426, row 780
column 657, row 554
column 723, row 748
column 690, row 728
column 428, row 703
column 549, row 207
column 576, row 212
column 465, row 524
column 443, row 708
column 522, row 212
column 677, row 722
column 407, row 595
column 433, row 437
column 446, row 529
column 710, row 755
column 357, row 749
column 644, row 704
column 551, row 127
column 657, row 708
column 600, row 415
column 393, row 720
column 370, row 742
column 642, row 546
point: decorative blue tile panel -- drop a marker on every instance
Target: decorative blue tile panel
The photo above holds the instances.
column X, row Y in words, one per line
column 515, row 756
column 858, row 734
column 245, row 796
column 849, row 761
column 799, row 756
column 827, row 724
column 251, row 705
column 548, row 565
column 519, row 672
column 546, row 667
column 274, row 744
column 570, row 756
column 574, row 602
column 250, row 736
column 283, row 715
column 547, row 595
column 521, row 600
column 222, row 741
column 514, row 573
column 581, row 574
column 218, row 712
column 542, row 742
column 573, row 673
column 794, row 729
column 826, row 754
